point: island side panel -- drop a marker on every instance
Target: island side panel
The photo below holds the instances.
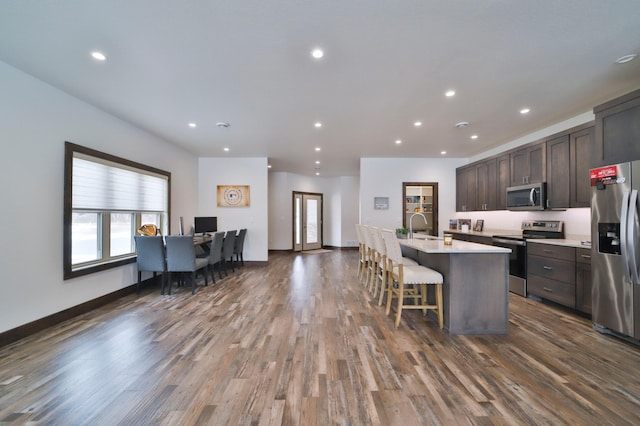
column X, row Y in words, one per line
column 476, row 291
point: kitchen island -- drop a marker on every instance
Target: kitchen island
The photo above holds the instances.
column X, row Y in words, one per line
column 476, row 283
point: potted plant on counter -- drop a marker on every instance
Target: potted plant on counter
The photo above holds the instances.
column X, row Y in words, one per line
column 402, row 232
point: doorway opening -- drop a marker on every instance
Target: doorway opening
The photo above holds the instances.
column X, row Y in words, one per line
column 307, row 221
column 420, row 207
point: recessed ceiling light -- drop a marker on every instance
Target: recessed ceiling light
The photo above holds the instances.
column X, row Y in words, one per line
column 626, row 58
column 318, row 124
column 418, row 123
column 98, row 55
column 317, row 53
column 317, row 162
column 474, row 136
column 226, row 149
column 443, row 152
column 268, row 166
column 462, row 124
column 317, row 148
column 317, row 173
column 398, row 141
column 525, row 111
column 450, row 93
column 192, row 124
column 223, row 125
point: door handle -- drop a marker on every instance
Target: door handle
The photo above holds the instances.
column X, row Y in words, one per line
column 624, row 216
column 548, row 268
column 631, row 229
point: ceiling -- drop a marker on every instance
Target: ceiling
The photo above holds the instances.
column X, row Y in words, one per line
column 387, row 64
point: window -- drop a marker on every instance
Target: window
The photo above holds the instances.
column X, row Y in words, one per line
column 106, row 199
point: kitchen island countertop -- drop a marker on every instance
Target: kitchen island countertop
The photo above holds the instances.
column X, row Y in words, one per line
column 438, row 246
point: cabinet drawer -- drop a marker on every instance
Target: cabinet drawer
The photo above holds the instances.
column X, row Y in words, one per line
column 556, row 291
column 481, row 239
column 561, row 270
column 583, row 255
column 550, row 250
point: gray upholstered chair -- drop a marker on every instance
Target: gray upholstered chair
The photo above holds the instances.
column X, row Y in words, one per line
column 215, row 255
column 227, row 250
column 150, row 257
column 181, row 257
column 238, row 246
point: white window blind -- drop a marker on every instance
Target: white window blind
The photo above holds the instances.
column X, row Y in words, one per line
column 102, row 185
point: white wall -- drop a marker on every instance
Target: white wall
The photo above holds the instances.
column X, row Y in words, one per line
column 35, row 121
column 237, row 171
column 383, row 177
column 340, row 196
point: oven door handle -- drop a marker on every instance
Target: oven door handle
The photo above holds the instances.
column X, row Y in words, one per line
column 510, row 242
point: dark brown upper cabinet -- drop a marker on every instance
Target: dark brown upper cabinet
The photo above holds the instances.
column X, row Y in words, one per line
column 558, row 173
column 617, row 138
column 528, row 164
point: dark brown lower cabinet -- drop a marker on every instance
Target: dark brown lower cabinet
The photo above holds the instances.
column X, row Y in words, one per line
column 561, row 274
column 583, row 280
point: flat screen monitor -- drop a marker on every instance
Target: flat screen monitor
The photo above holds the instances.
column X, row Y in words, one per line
column 203, row 225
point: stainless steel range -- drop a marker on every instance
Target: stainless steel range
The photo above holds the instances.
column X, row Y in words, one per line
column 531, row 229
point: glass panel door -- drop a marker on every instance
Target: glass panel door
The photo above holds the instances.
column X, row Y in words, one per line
column 311, row 225
column 307, row 221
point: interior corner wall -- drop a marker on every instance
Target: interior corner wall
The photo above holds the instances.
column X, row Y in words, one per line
column 340, row 196
column 350, row 212
column 373, row 184
column 214, row 171
column 35, row 121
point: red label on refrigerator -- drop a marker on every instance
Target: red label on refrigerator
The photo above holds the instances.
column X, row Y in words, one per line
column 606, row 175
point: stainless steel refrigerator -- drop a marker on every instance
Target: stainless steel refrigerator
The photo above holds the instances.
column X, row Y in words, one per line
column 615, row 252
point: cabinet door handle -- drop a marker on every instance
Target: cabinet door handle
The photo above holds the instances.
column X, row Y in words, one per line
column 586, row 256
column 547, row 289
column 548, row 268
column 547, row 251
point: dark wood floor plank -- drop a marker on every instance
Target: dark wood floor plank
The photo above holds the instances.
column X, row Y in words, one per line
column 300, row 341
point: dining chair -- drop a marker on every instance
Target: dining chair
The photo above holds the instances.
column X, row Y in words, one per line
column 227, row 250
column 364, row 279
column 215, row 255
column 181, row 257
column 380, row 268
column 150, row 257
column 239, row 245
column 361, row 250
column 374, row 257
column 408, row 281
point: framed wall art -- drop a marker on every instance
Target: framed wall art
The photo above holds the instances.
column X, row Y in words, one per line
column 233, row 196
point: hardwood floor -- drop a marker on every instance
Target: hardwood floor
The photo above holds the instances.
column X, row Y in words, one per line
column 300, row 341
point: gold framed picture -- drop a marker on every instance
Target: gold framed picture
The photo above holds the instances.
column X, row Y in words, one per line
column 233, row 196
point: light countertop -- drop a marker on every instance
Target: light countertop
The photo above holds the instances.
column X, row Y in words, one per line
column 438, row 246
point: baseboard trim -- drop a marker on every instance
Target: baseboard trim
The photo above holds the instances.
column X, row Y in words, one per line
column 25, row 330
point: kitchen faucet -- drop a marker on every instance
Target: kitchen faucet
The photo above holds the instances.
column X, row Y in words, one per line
column 411, row 223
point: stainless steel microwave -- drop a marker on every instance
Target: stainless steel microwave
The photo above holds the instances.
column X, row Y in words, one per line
column 527, row 197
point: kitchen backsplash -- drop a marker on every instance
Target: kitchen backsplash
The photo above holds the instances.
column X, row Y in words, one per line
column 577, row 222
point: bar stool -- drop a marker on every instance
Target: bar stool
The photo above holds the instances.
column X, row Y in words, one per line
column 412, row 282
